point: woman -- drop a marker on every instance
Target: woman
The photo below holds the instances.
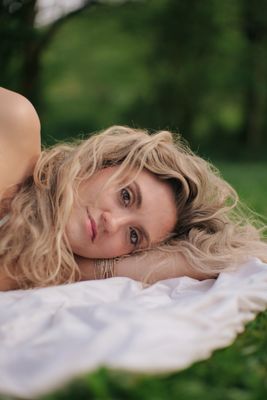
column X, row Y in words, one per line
column 122, row 203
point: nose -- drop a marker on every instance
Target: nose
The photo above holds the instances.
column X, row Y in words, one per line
column 114, row 221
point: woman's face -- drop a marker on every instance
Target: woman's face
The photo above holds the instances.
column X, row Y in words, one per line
column 111, row 221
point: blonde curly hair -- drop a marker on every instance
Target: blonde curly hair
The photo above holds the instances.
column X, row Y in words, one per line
column 213, row 231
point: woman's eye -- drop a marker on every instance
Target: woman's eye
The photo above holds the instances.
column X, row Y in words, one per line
column 126, row 196
column 134, row 238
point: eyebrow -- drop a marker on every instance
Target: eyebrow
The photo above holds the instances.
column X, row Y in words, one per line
column 138, row 200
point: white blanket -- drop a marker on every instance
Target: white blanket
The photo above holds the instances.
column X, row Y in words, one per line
column 48, row 336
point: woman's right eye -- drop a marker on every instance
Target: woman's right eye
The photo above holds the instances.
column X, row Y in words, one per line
column 126, row 196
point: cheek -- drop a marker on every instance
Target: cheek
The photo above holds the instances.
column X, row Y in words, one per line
column 113, row 246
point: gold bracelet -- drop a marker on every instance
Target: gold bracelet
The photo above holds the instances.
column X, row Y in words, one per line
column 104, row 268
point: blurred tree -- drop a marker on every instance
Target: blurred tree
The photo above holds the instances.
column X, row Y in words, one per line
column 196, row 67
column 23, row 43
column 255, row 86
column 10, row 41
column 209, row 60
column 185, row 34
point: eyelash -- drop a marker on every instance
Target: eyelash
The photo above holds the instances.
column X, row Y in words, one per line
column 126, row 202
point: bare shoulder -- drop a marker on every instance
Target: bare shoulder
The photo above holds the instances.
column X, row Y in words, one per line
column 20, row 141
column 18, row 118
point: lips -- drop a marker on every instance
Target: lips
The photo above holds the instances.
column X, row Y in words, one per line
column 93, row 226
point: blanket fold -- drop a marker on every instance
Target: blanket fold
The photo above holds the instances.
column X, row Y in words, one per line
column 50, row 335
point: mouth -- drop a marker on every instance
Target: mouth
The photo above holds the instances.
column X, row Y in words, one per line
column 93, row 225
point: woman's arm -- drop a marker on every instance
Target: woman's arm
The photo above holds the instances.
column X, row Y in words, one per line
column 149, row 267
column 20, row 142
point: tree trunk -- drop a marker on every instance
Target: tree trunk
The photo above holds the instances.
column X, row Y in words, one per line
column 255, row 29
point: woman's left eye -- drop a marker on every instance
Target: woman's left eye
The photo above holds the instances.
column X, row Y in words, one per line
column 134, row 237
column 126, row 196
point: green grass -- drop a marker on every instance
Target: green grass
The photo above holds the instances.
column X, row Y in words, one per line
column 238, row 372
column 250, row 181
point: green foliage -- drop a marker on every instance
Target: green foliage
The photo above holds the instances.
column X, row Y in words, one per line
column 103, row 72
column 184, row 66
column 189, row 66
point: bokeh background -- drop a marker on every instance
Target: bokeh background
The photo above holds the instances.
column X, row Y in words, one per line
column 194, row 67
